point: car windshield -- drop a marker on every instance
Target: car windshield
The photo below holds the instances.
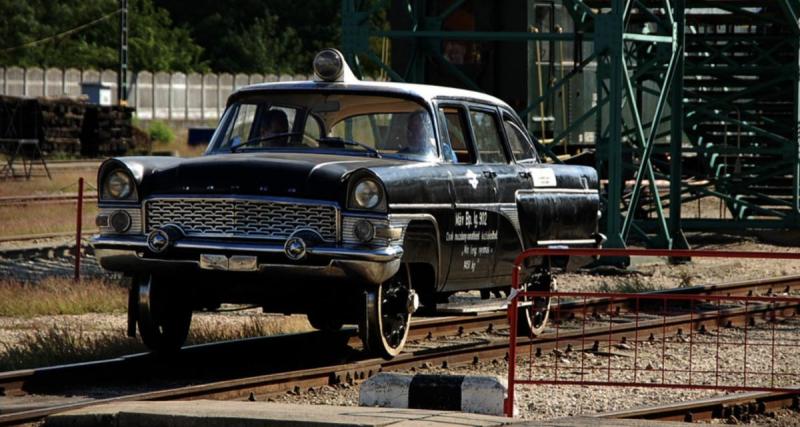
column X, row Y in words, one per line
column 331, row 122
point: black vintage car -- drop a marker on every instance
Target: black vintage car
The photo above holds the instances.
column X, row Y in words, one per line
column 350, row 201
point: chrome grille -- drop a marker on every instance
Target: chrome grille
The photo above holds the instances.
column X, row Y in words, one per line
column 247, row 218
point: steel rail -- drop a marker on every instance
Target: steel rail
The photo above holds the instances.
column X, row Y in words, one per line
column 713, row 407
column 428, row 328
column 261, row 385
column 450, row 356
column 89, row 197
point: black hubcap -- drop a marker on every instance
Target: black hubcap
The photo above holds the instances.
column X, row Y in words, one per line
column 539, row 281
column 394, row 311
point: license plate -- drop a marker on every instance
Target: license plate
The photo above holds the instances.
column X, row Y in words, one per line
column 213, row 262
column 243, row 263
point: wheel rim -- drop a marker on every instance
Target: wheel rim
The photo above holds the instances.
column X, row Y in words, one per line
column 394, row 312
column 537, row 313
column 387, row 316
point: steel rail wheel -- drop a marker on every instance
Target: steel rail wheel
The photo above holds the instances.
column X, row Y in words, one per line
column 163, row 315
column 387, row 315
column 534, row 312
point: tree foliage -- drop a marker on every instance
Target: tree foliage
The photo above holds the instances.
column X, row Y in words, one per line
column 259, row 36
column 247, row 36
column 155, row 43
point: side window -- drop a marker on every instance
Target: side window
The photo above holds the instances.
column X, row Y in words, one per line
column 454, row 129
column 313, row 127
column 487, row 137
column 242, row 125
column 520, row 147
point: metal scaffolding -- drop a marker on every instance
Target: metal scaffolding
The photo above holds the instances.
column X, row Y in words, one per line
column 635, row 87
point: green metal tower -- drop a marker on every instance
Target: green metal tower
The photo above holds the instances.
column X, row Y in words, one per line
column 640, row 83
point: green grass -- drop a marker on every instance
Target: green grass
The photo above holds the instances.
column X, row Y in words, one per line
column 628, row 285
column 60, row 295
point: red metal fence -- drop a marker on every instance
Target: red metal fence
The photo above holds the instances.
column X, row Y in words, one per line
column 667, row 340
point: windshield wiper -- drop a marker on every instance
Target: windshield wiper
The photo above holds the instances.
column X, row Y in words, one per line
column 369, row 149
column 262, row 139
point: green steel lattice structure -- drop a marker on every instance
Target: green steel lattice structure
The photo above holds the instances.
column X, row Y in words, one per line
column 713, row 83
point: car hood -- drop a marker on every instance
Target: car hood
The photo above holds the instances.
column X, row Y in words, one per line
column 302, row 175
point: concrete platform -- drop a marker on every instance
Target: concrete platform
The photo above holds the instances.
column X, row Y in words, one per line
column 214, row 413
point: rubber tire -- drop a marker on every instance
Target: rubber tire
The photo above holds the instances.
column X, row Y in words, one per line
column 371, row 327
column 164, row 314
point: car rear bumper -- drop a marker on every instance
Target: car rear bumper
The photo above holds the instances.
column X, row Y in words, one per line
column 131, row 254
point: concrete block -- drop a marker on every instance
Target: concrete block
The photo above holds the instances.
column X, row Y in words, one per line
column 471, row 394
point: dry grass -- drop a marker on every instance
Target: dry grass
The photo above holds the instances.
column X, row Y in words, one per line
column 44, row 218
column 60, row 295
column 59, row 343
column 65, row 180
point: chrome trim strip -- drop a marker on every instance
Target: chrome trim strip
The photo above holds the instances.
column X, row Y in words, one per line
column 561, row 190
column 487, row 206
column 378, row 254
column 420, row 205
column 567, row 242
column 374, row 272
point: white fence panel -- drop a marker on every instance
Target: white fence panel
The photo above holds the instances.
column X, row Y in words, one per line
column 72, row 82
column 53, row 82
column 144, row 96
column 194, row 96
column 34, row 82
column 161, row 95
column 15, row 81
column 211, row 109
column 177, row 92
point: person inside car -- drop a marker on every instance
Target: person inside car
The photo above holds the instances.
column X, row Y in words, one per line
column 274, row 122
column 419, row 135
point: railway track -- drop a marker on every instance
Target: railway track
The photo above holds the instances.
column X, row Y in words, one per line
column 66, row 198
column 354, row 369
column 722, row 407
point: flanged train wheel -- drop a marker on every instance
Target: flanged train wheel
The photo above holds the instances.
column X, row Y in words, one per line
column 164, row 315
column 534, row 312
column 387, row 315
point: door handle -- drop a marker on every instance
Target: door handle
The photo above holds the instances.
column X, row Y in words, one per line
column 489, row 174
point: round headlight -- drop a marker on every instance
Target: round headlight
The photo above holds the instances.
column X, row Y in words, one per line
column 367, row 194
column 328, row 65
column 120, row 221
column 119, row 185
column 364, row 230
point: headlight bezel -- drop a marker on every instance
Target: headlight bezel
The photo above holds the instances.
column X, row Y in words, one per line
column 109, row 195
column 367, row 184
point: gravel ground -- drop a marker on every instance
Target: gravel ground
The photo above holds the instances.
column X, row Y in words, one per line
column 542, row 402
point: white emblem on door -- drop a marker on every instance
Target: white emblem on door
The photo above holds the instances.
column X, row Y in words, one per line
column 472, row 178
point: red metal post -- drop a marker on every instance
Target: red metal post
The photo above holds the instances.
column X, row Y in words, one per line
column 78, row 224
column 512, row 348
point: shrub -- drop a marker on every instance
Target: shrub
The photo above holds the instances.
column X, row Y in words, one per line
column 160, row 132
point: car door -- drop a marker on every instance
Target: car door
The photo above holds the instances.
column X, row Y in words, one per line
column 472, row 234
column 560, row 205
column 507, row 178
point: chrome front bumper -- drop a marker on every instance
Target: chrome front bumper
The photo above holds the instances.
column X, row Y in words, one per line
column 131, row 254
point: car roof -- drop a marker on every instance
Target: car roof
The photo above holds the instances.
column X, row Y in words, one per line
column 426, row 93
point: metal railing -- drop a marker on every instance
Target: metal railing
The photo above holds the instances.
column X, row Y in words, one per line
column 657, row 340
